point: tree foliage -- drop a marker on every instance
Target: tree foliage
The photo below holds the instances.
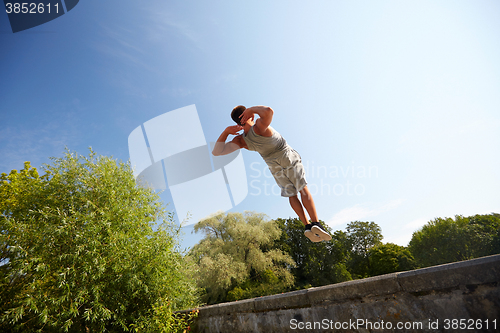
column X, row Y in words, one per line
column 317, row 264
column 361, row 237
column 445, row 240
column 390, row 258
column 79, row 252
column 236, row 259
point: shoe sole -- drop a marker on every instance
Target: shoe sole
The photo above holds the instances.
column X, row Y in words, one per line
column 312, row 236
column 323, row 235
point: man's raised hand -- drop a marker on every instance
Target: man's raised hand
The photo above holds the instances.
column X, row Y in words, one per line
column 247, row 114
column 233, row 130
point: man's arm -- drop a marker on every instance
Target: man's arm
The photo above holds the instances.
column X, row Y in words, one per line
column 223, row 148
column 265, row 117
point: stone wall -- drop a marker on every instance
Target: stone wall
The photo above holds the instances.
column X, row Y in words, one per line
column 457, row 297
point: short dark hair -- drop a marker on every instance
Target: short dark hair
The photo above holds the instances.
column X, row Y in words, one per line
column 236, row 113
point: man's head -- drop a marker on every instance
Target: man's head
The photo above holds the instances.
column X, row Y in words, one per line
column 236, row 113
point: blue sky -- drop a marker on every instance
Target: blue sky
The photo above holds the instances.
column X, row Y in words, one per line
column 393, row 106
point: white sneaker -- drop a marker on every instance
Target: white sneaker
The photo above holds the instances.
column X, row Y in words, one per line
column 319, row 231
column 311, row 235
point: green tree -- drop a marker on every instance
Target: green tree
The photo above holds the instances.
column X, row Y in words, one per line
column 236, row 260
column 361, row 237
column 80, row 254
column 486, row 231
column 445, row 240
column 317, row 264
column 389, row 258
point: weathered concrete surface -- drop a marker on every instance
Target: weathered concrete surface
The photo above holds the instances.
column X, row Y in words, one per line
column 457, row 297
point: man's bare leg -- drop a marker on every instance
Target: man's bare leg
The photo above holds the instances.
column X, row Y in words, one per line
column 297, row 207
column 308, row 202
column 316, row 228
column 299, row 210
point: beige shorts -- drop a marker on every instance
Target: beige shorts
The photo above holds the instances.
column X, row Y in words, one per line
column 288, row 172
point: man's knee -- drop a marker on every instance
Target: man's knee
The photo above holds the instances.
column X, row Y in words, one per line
column 305, row 193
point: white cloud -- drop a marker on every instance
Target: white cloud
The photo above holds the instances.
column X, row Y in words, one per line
column 362, row 212
column 401, row 240
column 406, row 232
column 125, row 45
column 416, row 224
column 163, row 22
column 35, row 144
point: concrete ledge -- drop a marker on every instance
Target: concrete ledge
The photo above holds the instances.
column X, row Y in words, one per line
column 377, row 285
column 464, row 290
column 290, row 300
column 470, row 272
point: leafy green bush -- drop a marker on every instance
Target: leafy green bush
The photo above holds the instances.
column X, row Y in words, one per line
column 390, row 258
column 445, row 240
column 80, row 250
column 236, row 257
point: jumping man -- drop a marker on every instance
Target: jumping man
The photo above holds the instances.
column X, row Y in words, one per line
column 284, row 162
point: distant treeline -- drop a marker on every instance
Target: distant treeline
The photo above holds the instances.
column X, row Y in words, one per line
column 246, row 255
